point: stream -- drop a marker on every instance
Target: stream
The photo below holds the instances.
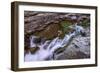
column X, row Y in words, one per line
column 47, row 48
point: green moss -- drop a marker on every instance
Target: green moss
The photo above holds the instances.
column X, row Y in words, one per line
column 33, row 50
column 85, row 23
column 51, row 31
column 65, row 26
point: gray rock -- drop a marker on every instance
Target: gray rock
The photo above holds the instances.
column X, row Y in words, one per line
column 79, row 48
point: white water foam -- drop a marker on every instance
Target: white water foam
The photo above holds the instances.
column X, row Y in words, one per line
column 48, row 47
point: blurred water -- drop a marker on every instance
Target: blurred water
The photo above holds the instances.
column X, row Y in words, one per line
column 48, row 47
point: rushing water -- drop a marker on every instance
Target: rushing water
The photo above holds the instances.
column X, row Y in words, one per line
column 48, row 47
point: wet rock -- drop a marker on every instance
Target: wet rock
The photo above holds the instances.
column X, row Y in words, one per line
column 34, row 49
column 49, row 32
column 48, row 25
column 30, row 13
column 82, row 43
column 34, row 20
column 79, row 48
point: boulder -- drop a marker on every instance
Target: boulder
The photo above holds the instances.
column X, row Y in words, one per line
column 79, row 48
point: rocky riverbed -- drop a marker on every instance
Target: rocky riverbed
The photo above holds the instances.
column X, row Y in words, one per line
column 78, row 48
column 73, row 31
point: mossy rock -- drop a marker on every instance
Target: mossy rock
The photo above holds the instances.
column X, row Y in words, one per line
column 85, row 23
column 65, row 26
column 34, row 49
column 49, row 32
column 52, row 30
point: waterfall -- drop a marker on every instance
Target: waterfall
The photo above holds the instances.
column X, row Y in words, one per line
column 48, row 47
